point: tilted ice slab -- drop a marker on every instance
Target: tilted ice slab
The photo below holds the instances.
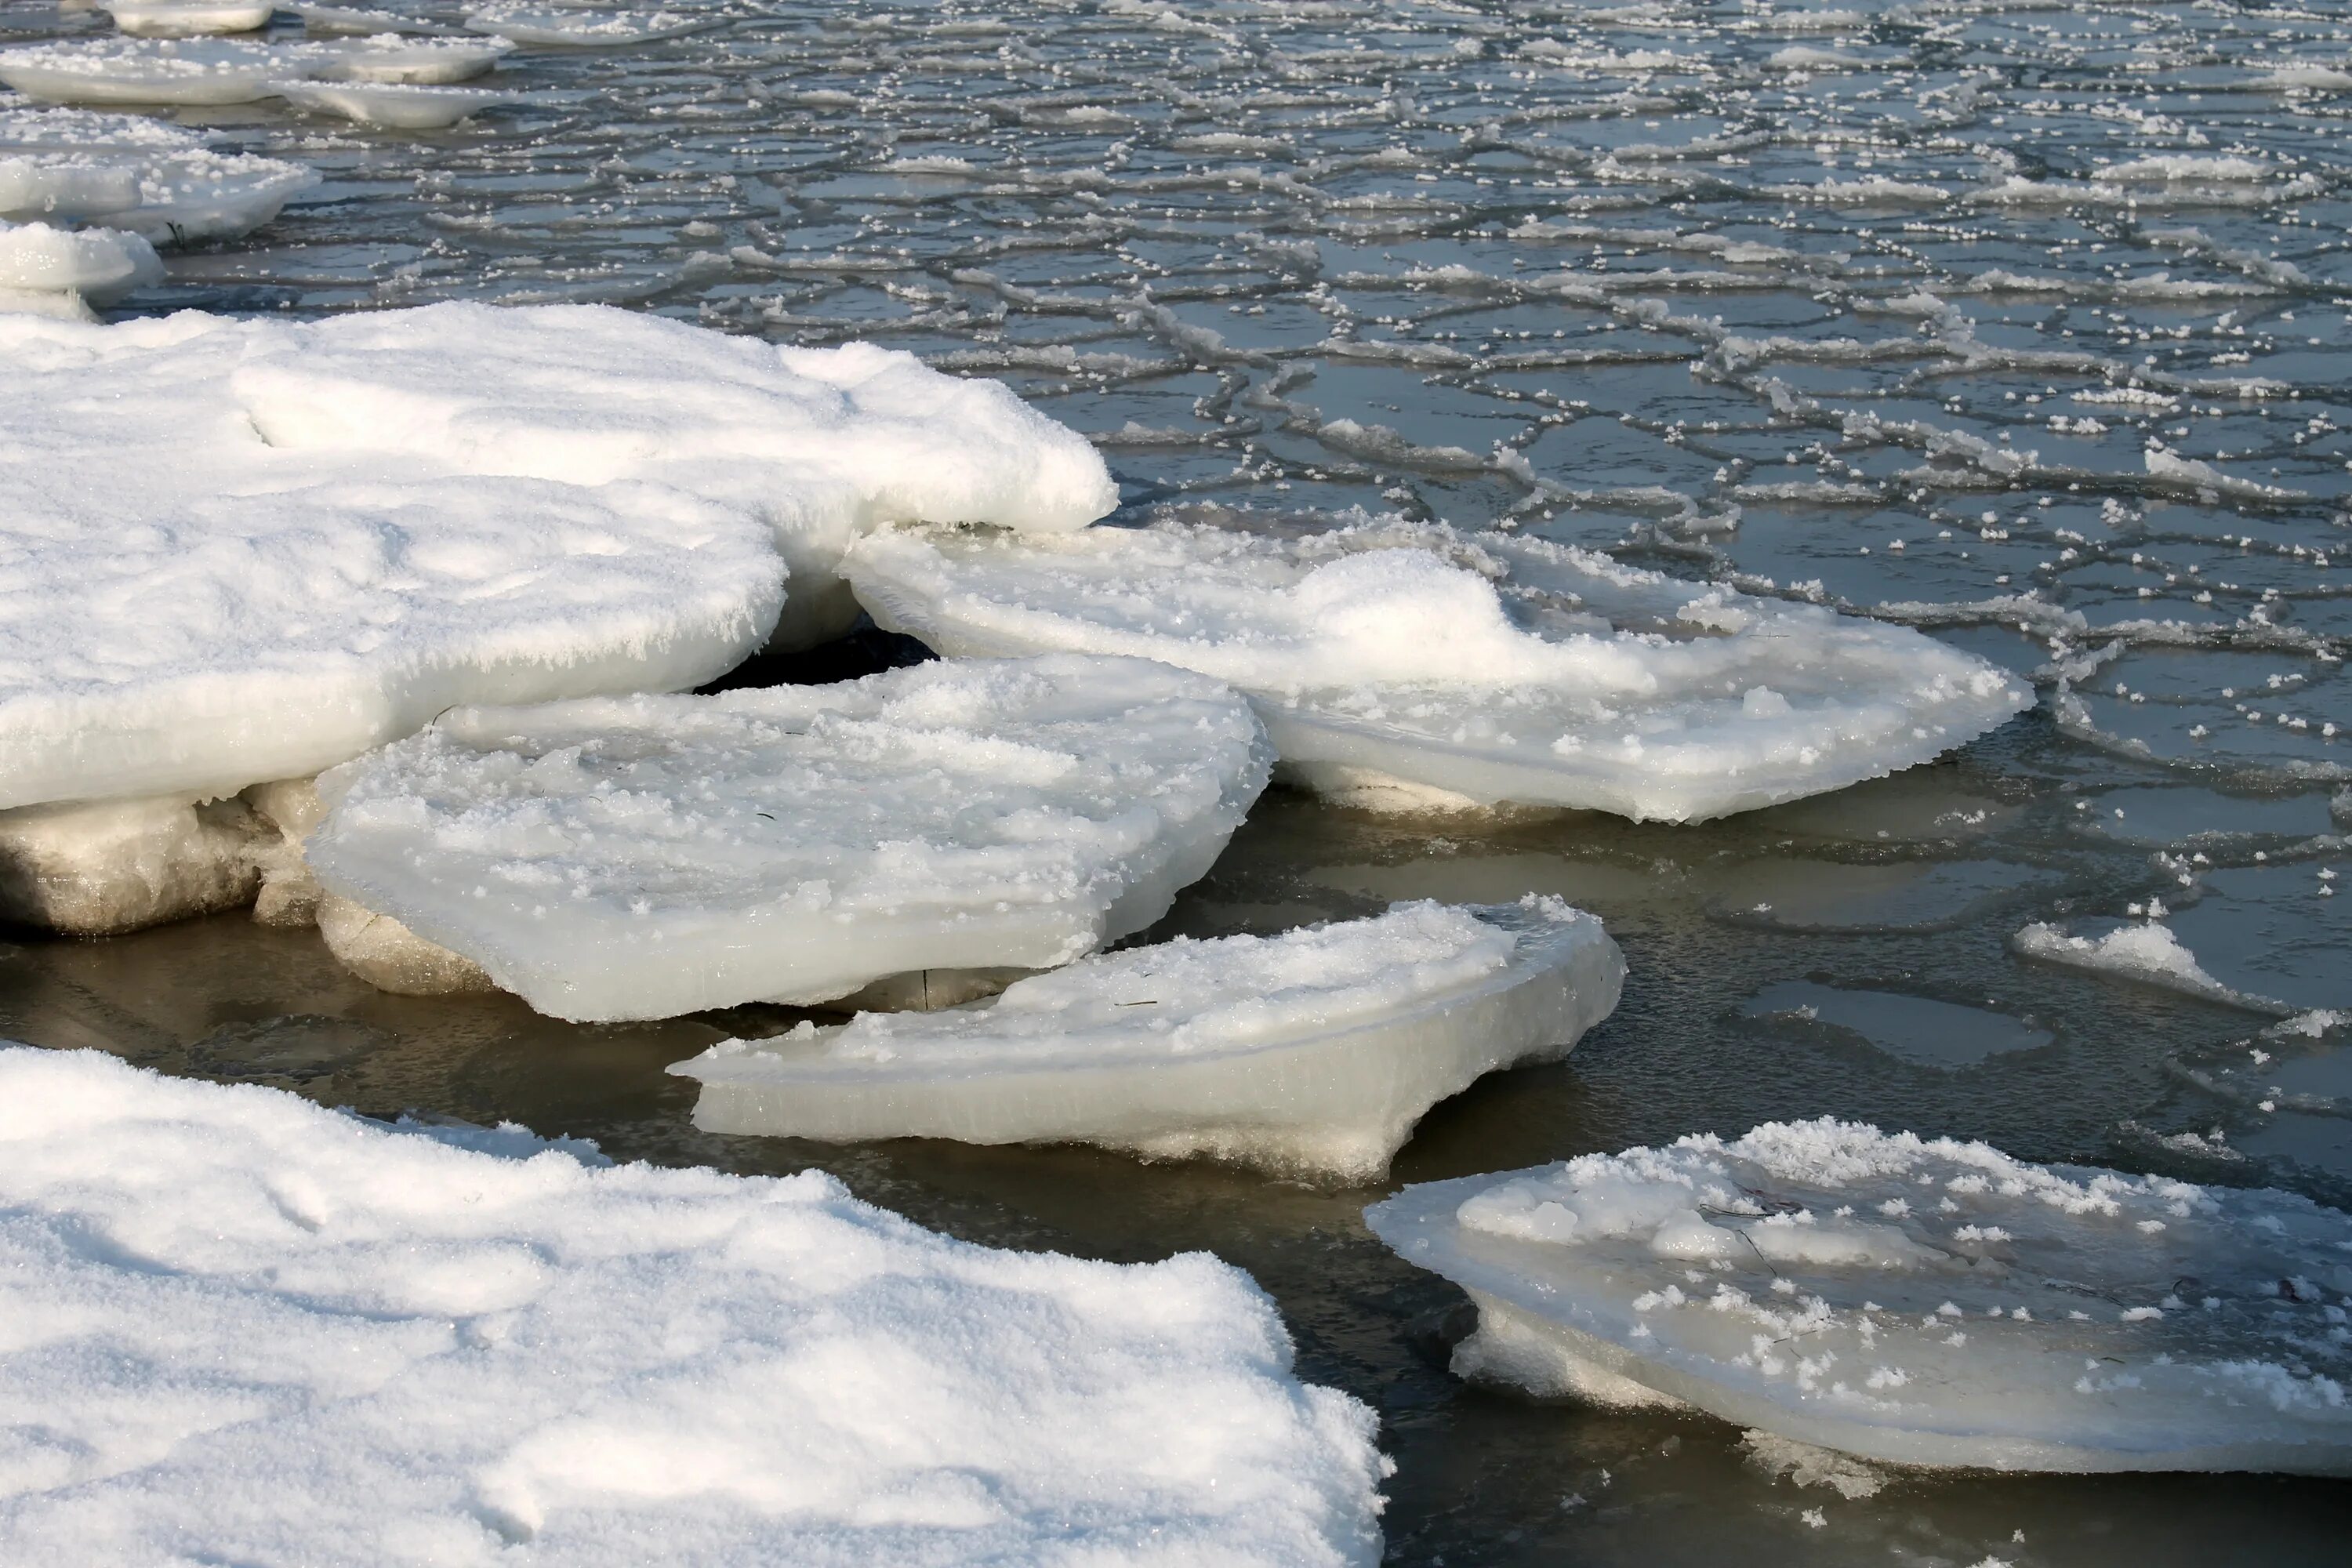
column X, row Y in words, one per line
column 243, row 1328
column 397, row 106
column 825, row 443
column 1929, row 1302
column 249, row 550
column 1397, row 663
column 141, row 175
column 1314, row 1052
column 100, row 264
column 645, row 857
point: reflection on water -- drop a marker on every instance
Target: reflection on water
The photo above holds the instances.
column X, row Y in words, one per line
column 2022, row 324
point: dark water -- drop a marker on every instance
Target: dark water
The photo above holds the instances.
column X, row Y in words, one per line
column 1639, row 277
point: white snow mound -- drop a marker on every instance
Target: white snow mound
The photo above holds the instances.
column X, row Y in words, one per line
column 1313, row 1053
column 645, row 857
column 2149, row 952
column 242, row 1328
column 1389, row 657
column 140, row 176
column 249, row 550
column 1927, row 1303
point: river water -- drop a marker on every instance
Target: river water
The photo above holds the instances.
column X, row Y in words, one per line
column 2024, row 323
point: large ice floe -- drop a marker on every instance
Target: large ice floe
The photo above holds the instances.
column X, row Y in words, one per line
column 140, row 175
column 1406, row 665
column 644, row 857
column 1921, row 1301
column 245, row 551
column 1310, row 1053
column 211, row 71
column 243, row 1328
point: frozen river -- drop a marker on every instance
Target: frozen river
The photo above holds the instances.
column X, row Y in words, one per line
column 2030, row 325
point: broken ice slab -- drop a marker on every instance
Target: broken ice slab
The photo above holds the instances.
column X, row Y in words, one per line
column 273, row 1332
column 1919, row 1301
column 640, row 857
column 393, row 105
column 1406, row 666
column 143, row 177
column 1313, row 1053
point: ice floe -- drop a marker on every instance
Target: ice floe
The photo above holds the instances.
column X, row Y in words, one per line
column 188, row 18
column 1920, row 1301
column 1310, row 1053
column 143, row 177
column 1402, row 664
column 639, row 857
column 148, row 70
column 249, row 1329
column 249, row 550
column 397, row 106
column 2145, row 951
column 100, row 265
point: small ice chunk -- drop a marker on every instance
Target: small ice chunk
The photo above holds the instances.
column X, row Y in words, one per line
column 2145, row 952
column 120, row 865
column 1488, row 667
column 100, row 264
column 1310, row 1053
column 2022, row 1319
column 188, row 18
column 243, row 1328
column 640, row 857
column 395, row 106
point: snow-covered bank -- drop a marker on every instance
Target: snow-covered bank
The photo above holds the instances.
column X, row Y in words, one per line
column 1923, row 1301
column 1313, row 1053
column 644, row 857
column 243, row 1328
column 249, row 550
column 1404, row 664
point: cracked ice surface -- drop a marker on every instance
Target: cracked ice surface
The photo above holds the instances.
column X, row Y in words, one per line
column 1930, row 1302
column 258, row 1330
column 1487, row 667
column 638, row 857
column 1315, row 1051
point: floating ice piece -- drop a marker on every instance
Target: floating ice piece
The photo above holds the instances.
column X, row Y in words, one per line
column 1917, row 1301
column 827, row 443
column 1404, row 664
column 188, row 18
column 394, row 105
column 101, row 264
column 417, row 62
column 1314, row 1052
column 149, row 70
column 120, row 865
column 640, row 857
column 247, row 1329
column 250, row 550
column 140, row 176
column 2147, row 953
column 533, row 22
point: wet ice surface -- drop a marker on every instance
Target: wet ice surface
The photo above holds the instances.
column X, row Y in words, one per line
column 1738, row 294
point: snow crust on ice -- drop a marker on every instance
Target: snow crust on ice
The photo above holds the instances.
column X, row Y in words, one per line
column 1919, row 1301
column 249, row 550
column 1487, row 667
column 2147, row 952
column 396, row 106
column 639, row 857
column 1311, row 1053
column 140, row 176
column 243, row 1328
column 100, row 264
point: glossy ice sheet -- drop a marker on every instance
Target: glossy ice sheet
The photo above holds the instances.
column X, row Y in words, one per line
column 1900, row 308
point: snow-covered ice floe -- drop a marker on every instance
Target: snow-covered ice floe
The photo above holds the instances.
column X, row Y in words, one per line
column 199, row 71
column 1404, row 665
column 397, row 106
column 2147, row 952
column 140, row 176
column 188, row 18
column 244, row 1327
column 536, row 22
column 645, row 857
column 1927, row 1302
column 100, row 265
column 1311, row 1053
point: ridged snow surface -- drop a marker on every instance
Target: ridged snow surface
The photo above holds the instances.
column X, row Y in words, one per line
column 1924, row 1301
column 644, row 857
column 1312, row 1052
column 243, row 1328
column 141, row 175
column 248, row 549
column 1487, row 666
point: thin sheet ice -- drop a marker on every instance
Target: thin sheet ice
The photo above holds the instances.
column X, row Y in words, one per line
column 1398, row 663
column 242, row 1328
column 645, row 857
column 1314, row 1052
column 1923, row 1301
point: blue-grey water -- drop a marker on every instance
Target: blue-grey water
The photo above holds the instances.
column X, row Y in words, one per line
column 2023, row 323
